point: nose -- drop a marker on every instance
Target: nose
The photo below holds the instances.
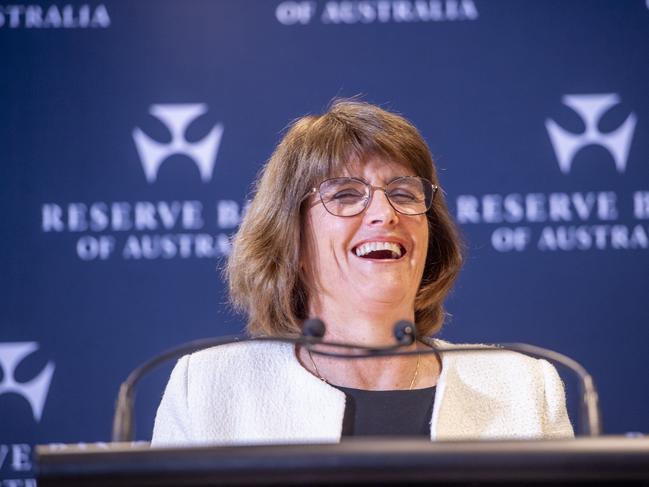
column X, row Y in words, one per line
column 380, row 211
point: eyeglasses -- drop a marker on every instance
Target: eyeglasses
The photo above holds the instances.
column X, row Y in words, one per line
column 408, row 195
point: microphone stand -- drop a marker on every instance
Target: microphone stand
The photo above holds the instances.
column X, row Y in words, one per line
column 590, row 416
column 313, row 331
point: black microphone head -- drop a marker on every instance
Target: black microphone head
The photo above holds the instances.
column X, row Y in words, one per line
column 405, row 332
column 313, row 328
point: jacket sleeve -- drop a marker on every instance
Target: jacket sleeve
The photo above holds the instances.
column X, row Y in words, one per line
column 172, row 421
column 556, row 423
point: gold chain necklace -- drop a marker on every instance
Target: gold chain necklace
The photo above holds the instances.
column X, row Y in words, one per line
column 317, row 372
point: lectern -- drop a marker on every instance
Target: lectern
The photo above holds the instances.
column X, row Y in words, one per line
column 582, row 461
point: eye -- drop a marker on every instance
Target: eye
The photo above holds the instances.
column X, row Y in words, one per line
column 347, row 195
column 403, row 195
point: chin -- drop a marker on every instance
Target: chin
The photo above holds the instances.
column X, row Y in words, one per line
column 392, row 293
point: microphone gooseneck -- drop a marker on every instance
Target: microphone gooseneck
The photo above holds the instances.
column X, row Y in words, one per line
column 313, row 330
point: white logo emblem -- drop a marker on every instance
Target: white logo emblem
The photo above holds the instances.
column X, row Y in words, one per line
column 177, row 118
column 35, row 391
column 591, row 108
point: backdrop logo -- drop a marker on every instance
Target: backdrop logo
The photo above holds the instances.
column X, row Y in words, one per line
column 35, row 390
column 69, row 16
column 575, row 220
column 591, row 108
column 177, row 117
column 154, row 229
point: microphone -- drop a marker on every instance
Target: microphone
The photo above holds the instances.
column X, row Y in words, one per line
column 313, row 328
column 405, row 332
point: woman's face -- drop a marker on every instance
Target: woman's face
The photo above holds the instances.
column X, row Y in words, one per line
column 337, row 252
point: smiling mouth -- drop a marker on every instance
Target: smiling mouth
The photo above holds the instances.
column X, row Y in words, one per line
column 379, row 251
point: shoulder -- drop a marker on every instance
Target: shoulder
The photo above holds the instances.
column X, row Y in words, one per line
column 488, row 365
column 239, row 360
column 248, row 352
column 490, row 391
column 481, row 354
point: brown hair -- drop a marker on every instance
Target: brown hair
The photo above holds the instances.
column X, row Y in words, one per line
column 263, row 270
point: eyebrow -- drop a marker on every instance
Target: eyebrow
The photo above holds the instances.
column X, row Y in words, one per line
column 359, row 178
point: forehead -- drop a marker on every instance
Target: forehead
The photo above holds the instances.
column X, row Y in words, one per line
column 376, row 169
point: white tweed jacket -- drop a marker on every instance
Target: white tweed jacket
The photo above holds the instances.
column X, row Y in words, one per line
column 257, row 392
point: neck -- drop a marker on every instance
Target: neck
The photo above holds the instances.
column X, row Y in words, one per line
column 367, row 325
column 371, row 326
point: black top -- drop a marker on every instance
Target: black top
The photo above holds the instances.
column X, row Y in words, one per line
column 388, row 413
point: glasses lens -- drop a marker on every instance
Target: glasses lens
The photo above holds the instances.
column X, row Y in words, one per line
column 410, row 195
column 344, row 196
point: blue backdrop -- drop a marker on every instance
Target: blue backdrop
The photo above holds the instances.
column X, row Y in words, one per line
column 131, row 132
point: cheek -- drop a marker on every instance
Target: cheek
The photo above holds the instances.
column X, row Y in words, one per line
column 327, row 239
column 335, row 240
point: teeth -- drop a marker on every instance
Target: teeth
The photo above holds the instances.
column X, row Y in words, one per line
column 368, row 247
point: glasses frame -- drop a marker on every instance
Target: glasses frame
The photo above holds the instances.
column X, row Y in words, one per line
column 372, row 188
